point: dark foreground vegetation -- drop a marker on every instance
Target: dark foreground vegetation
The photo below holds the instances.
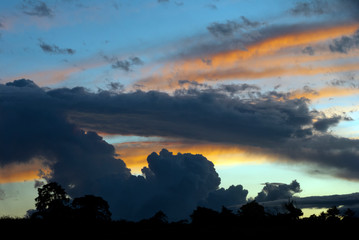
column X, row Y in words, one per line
column 89, row 216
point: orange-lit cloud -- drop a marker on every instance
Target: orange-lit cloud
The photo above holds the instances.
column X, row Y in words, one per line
column 262, row 59
column 327, row 92
column 19, row 172
column 134, row 154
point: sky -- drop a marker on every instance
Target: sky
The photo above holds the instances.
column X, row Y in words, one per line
column 153, row 104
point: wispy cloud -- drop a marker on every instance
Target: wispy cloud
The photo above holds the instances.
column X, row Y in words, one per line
column 54, row 49
column 36, row 8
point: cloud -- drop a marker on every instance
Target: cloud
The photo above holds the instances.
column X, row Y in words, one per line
column 214, row 116
column 225, row 197
column 308, row 50
column 223, row 29
column 275, row 122
column 47, row 125
column 309, row 8
column 343, row 201
column 235, row 57
column 54, row 49
column 34, row 125
column 124, row 65
column 345, row 43
column 36, row 8
column 231, row 27
column 340, row 9
column 176, row 183
column 248, row 23
column 38, row 129
column 324, row 124
column 275, row 191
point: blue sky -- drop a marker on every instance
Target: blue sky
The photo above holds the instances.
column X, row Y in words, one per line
column 240, row 50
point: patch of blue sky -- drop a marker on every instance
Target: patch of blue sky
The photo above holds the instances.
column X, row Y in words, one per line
column 116, row 139
column 313, row 181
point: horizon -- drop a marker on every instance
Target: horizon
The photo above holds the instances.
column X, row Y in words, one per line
column 163, row 103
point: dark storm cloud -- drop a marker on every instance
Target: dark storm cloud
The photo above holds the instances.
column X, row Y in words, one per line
column 345, row 43
column 178, row 182
column 275, row 191
column 344, row 200
column 54, row 49
column 225, row 197
column 280, row 126
column 34, row 124
column 36, row 8
column 201, row 115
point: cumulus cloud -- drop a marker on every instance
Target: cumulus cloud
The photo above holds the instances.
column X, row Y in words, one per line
column 173, row 183
column 234, row 195
column 178, row 182
column 275, row 191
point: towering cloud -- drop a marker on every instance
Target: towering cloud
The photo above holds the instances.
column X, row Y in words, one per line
column 47, row 125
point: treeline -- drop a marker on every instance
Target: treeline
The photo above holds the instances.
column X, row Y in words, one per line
column 90, row 215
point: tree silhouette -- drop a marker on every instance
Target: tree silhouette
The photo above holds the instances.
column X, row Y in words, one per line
column 293, row 212
column 52, row 201
column 91, row 208
column 252, row 211
column 332, row 214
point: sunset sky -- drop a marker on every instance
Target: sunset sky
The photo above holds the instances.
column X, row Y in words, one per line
column 266, row 90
